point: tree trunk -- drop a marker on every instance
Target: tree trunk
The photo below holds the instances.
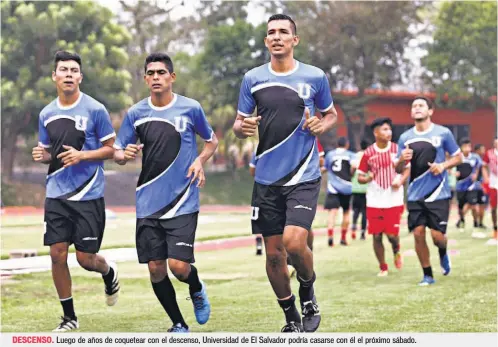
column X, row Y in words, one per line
column 8, row 155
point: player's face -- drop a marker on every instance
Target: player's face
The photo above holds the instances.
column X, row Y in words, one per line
column 279, row 39
column 67, row 76
column 158, row 78
column 481, row 151
column 383, row 133
column 420, row 110
column 466, row 149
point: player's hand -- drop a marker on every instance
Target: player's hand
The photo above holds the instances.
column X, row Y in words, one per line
column 39, row 154
column 312, row 123
column 71, row 156
column 249, row 125
column 197, row 172
column 457, row 174
column 323, row 169
column 396, row 184
column 436, row 168
column 407, row 154
column 131, row 151
column 474, row 177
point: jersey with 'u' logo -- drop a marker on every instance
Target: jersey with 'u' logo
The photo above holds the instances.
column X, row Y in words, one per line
column 168, row 134
column 83, row 125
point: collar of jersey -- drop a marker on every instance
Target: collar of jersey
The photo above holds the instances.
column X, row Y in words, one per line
column 73, row 105
column 382, row 150
column 162, row 108
column 284, row 73
column 423, row 132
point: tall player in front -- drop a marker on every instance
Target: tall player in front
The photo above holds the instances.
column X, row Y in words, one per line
column 425, row 146
column 490, row 180
column 385, row 195
column 285, row 93
column 168, row 187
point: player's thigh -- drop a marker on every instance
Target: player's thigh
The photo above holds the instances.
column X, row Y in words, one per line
column 482, row 198
column 150, row 240
column 462, row 199
column 493, row 198
column 180, row 237
column 301, row 203
column 57, row 222
column 268, row 210
column 375, row 220
column 438, row 213
column 332, row 202
column 345, row 202
column 89, row 219
column 392, row 220
column 417, row 215
column 473, row 197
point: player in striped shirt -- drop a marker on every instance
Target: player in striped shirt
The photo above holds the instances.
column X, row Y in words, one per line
column 490, row 178
column 384, row 192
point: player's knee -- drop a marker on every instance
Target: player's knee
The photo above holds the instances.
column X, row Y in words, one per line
column 296, row 241
column 157, row 270
column 86, row 260
column 58, row 253
column 179, row 269
column 377, row 238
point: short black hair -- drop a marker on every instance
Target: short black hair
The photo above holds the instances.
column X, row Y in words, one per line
column 464, row 141
column 342, row 142
column 159, row 57
column 284, row 17
column 381, row 121
column 364, row 144
column 427, row 100
column 65, row 56
column 478, row 146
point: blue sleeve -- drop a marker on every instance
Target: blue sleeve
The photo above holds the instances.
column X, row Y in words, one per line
column 43, row 138
column 253, row 160
column 201, row 125
column 449, row 143
column 247, row 104
column 401, row 146
column 127, row 134
column 327, row 160
column 103, row 125
column 323, row 99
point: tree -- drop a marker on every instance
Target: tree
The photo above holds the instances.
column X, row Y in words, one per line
column 461, row 61
column 32, row 33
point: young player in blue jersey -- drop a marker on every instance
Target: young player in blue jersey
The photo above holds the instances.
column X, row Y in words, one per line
column 167, row 194
column 425, row 147
column 468, row 185
column 286, row 93
column 340, row 164
column 75, row 136
column 482, row 198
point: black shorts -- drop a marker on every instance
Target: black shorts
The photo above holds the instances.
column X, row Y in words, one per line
column 161, row 239
column 275, row 207
column 333, row 201
column 359, row 201
column 78, row 222
column 430, row 214
column 467, row 197
column 482, row 199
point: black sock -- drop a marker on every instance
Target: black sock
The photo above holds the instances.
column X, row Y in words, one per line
column 109, row 277
column 428, row 271
column 167, row 297
column 290, row 310
column 481, row 225
column 476, row 224
column 68, row 308
column 194, row 284
column 442, row 252
column 306, row 291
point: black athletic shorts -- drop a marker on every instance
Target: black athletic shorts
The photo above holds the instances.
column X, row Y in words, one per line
column 482, row 199
column 467, row 197
column 275, row 207
column 161, row 239
column 359, row 201
column 333, row 201
column 78, row 222
column 430, row 214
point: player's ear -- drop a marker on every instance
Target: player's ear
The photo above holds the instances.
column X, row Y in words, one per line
column 295, row 41
column 431, row 111
column 173, row 77
column 53, row 76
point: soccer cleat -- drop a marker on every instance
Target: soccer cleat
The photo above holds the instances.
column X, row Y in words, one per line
column 427, row 281
column 461, row 225
column 331, row 242
column 398, row 260
column 112, row 291
column 344, row 242
column 259, row 246
column 202, row 307
column 66, row 325
column 292, row 270
column 292, row 327
column 311, row 315
column 383, row 273
column 362, row 237
column 445, row 264
column 178, row 328
column 353, row 235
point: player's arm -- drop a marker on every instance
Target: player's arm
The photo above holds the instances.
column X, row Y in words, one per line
column 325, row 104
column 196, row 170
column 126, row 147
column 40, row 153
column 252, row 165
column 451, row 147
column 363, row 176
column 400, row 179
column 245, row 127
column 72, row 156
column 485, row 169
column 404, row 159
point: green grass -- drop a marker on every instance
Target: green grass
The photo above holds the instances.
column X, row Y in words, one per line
column 351, row 297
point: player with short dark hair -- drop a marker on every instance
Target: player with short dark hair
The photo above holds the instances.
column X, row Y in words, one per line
column 359, row 196
column 490, row 181
column 167, row 191
column 482, row 197
column 286, row 93
column 340, row 164
column 75, row 136
column 424, row 146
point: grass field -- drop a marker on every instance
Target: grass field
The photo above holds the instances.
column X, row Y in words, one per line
column 351, row 297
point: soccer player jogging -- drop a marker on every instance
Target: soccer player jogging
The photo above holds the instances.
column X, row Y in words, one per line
column 75, row 136
column 287, row 178
column 482, row 197
column 490, row 180
column 340, row 167
column 359, row 197
column 167, row 191
column 428, row 197
column 468, row 185
column 385, row 192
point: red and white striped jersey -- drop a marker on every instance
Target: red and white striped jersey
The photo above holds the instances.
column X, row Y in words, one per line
column 491, row 160
column 379, row 162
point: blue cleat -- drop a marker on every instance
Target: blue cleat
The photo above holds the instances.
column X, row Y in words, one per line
column 445, row 265
column 178, row 328
column 427, row 281
column 202, row 307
